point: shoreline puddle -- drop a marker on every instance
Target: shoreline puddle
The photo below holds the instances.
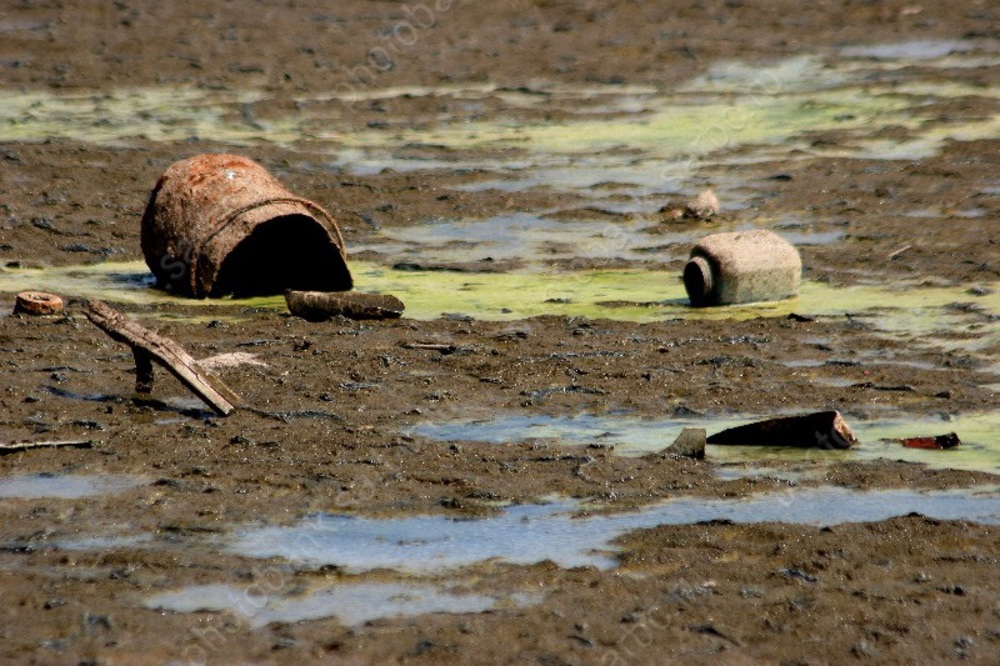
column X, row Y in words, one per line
column 64, row 486
column 528, row 534
column 353, row 604
column 980, row 449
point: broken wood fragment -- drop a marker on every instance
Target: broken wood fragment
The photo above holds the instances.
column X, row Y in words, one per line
column 148, row 346
column 689, row 444
column 322, row 305
column 825, row 430
column 948, row 441
column 11, row 447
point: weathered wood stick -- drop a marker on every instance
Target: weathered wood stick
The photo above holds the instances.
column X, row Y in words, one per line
column 442, row 347
column 320, row 305
column 11, row 447
column 148, row 346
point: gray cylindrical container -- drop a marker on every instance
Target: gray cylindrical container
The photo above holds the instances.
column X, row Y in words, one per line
column 742, row 267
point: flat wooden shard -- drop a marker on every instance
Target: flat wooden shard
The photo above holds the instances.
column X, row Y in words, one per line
column 148, row 346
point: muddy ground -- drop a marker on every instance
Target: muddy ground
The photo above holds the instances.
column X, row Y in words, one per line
column 335, row 402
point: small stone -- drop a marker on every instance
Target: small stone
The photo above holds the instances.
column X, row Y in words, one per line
column 863, row 649
column 702, row 207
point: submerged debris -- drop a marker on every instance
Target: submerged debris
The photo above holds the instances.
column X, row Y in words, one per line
column 824, row 430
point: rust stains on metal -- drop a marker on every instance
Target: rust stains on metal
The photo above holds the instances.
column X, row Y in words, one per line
column 221, row 224
column 37, row 303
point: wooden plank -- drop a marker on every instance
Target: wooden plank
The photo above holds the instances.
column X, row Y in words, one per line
column 149, row 346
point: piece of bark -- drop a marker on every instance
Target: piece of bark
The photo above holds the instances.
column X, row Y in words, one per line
column 148, row 346
column 689, row 444
column 11, row 447
column 825, row 430
column 322, row 305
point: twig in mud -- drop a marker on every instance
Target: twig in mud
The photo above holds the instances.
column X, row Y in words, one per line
column 893, row 255
column 444, row 348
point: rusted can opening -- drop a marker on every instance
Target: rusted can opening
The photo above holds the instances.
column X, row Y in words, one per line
column 217, row 225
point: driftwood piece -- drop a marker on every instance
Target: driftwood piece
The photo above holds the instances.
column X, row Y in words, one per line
column 825, row 430
column 148, row 346
column 11, row 447
column 321, row 305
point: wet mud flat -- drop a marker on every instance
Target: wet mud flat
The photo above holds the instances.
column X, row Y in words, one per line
column 482, row 480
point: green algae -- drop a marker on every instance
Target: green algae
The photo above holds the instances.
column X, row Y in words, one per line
column 152, row 113
column 638, row 295
column 117, row 282
column 760, row 106
column 670, row 127
column 674, row 128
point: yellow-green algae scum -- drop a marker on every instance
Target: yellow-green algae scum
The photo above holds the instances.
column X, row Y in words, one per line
column 638, row 295
column 737, row 106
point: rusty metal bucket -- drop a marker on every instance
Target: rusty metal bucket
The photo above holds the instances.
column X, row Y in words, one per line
column 221, row 224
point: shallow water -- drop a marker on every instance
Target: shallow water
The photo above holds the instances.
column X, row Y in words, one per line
column 528, row 534
column 536, row 238
column 878, row 440
column 353, row 604
column 64, row 486
column 920, row 50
